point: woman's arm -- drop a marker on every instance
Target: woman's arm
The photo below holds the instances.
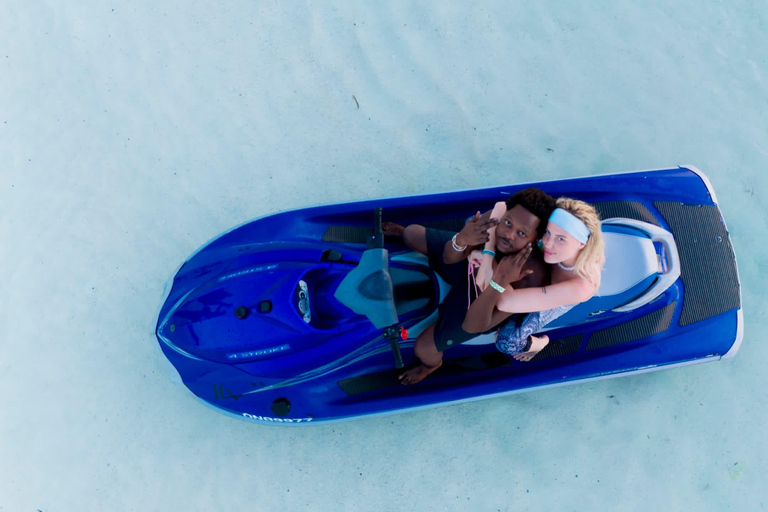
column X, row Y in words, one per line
column 480, row 315
column 483, row 314
column 487, row 266
column 499, row 209
column 528, row 300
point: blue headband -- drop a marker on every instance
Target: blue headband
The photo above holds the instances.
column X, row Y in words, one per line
column 571, row 224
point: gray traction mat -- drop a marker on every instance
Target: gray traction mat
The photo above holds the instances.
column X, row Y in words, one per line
column 648, row 325
column 707, row 259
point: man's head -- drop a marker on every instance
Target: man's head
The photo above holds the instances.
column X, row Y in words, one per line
column 525, row 220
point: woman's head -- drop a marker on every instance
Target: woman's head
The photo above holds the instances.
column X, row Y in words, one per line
column 573, row 231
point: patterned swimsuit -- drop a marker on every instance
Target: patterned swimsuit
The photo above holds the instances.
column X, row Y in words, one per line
column 512, row 338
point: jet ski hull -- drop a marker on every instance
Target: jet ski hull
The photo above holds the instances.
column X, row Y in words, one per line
column 276, row 366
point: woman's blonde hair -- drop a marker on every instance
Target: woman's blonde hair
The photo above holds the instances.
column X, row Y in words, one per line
column 589, row 263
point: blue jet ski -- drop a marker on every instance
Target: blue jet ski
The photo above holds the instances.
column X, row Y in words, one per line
column 305, row 316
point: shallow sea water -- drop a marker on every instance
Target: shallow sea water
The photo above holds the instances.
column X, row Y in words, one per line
column 130, row 134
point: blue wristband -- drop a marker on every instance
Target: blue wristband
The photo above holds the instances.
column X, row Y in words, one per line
column 486, row 251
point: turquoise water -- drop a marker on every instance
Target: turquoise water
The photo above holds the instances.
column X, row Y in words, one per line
column 132, row 134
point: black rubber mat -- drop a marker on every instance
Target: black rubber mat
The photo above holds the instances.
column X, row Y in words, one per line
column 626, row 209
column 388, row 378
column 459, row 366
column 648, row 325
column 347, row 234
column 607, row 210
column 555, row 348
column 360, row 234
column 447, row 224
column 707, row 260
column 370, row 382
column 560, row 347
column 450, row 368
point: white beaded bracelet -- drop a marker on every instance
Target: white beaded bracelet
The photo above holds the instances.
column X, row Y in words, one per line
column 458, row 248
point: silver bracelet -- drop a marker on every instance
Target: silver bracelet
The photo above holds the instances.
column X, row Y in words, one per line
column 458, row 248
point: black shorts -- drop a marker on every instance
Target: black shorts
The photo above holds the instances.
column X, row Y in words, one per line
column 451, row 313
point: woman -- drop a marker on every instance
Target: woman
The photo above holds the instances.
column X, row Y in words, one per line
column 574, row 249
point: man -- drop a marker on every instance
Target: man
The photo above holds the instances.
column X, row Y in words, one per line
column 523, row 223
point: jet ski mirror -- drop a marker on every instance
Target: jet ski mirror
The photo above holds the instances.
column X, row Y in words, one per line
column 368, row 289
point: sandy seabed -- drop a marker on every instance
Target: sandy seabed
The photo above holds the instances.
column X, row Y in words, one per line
column 130, row 134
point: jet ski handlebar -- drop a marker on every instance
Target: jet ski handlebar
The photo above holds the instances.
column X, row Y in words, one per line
column 368, row 289
column 377, row 239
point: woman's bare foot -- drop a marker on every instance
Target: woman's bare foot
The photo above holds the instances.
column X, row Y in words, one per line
column 392, row 229
column 537, row 344
column 417, row 373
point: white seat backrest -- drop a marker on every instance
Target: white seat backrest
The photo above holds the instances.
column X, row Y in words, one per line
column 628, row 261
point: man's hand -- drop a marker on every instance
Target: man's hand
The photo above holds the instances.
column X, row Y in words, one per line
column 475, row 232
column 510, row 268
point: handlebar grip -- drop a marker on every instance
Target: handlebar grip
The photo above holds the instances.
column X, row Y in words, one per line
column 377, row 240
column 396, row 352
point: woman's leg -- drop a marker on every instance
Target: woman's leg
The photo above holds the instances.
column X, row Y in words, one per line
column 537, row 345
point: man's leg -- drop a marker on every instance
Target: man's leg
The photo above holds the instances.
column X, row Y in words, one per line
column 414, row 235
column 427, row 352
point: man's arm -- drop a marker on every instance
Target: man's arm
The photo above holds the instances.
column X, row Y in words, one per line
column 484, row 313
column 473, row 234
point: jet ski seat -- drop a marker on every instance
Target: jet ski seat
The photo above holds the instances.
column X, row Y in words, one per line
column 641, row 262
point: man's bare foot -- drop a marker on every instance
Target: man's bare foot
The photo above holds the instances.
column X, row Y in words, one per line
column 417, row 373
column 392, row 229
column 537, row 344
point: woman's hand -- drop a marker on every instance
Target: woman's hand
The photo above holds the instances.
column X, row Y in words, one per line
column 510, row 268
column 475, row 232
column 475, row 259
